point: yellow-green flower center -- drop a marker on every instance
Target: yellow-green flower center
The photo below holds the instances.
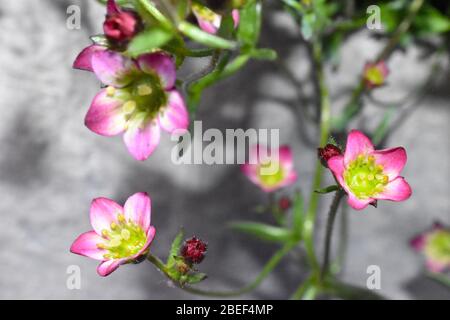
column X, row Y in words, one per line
column 123, row 239
column 374, row 75
column 270, row 173
column 145, row 95
column 438, row 246
column 364, row 177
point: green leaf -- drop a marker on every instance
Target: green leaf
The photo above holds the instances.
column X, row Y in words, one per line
column 264, row 231
column 328, row 189
column 203, row 37
column 195, row 278
column 263, row 54
column 307, row 27
column 175, row 249
column 149, row 40
column 250, row 23
column 430, row 20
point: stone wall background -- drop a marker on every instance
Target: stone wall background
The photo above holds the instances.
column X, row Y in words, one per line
column 51, row 167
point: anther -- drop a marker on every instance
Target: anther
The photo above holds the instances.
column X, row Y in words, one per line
column 129, row 106
column 144, row 90
column 125, row 234
column 110, row 91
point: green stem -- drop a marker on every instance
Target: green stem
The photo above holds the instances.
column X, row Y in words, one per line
column 329, row 231
column 324, row 134
column 271, row 264
column 306, row 291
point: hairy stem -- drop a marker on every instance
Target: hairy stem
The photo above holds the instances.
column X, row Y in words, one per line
column 329, row 231
column 270, row 265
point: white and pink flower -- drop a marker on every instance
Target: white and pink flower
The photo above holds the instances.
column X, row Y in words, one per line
column 139, row 100
column 368, row 175
column 121, row 234
column 434, row 244
column 270, row 169
column 210, row 21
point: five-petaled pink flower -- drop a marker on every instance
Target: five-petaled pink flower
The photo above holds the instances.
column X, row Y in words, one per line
column 375, row 74
column 368, row 175
column 121, row 234
column 434, row 244
column 210, row 21
column 140, row 98
column 120, row 25
column 270, row 169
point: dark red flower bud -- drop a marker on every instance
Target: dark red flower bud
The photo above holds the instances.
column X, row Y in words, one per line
column 284, row 203
column 327, row 153
column 121, row 26
column 193, row 250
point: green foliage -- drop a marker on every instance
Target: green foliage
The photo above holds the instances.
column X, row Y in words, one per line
column 149, row 40
column 264, row 231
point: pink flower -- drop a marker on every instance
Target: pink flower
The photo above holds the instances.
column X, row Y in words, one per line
column 367, row 174
column 270, row 169
column 434, row 244
column 375, row 74
column 121, row 234
column 120, row 26
column 140, row 98
column 208, row 20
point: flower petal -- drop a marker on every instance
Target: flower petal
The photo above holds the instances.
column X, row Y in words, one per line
column 358, row 204
column 336, row 165
column 436, row 266
column 357, row 143
column 175, row 115
column 112, row 7
column 393, row 160
column 84, row 60
column 105, row 116
column 291, row 178
column 112, row 68
column 236, row 17
column 286, row 158
column 107, row 267
column 86, row 245
column 103, row 212
column 161, row 64
column 141, row 138
column 138, row 209
column 396, row 190
column 150, row 236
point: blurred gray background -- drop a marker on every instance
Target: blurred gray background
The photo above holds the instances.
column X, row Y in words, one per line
column 51, row 166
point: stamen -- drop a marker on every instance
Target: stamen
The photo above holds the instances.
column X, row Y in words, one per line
column 125, row 234
column 121, row 218
column 129, row 106
column 113, row 225
column 110, row 91
column 144, row 90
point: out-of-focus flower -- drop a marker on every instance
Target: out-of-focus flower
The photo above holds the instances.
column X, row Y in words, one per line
column 284, row 203
column 208, row 20
column 140, row 98
column 375, row 74
column 367, row 174
column 327, row 152
column 120, row 26
column 194, row 250
column 270, row 170
column 434, row 244
column 121, row 234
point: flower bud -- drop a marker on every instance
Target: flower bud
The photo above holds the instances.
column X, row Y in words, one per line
column 284, row 203
column 121, row 26
column 193, row 250
column 327, row 152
